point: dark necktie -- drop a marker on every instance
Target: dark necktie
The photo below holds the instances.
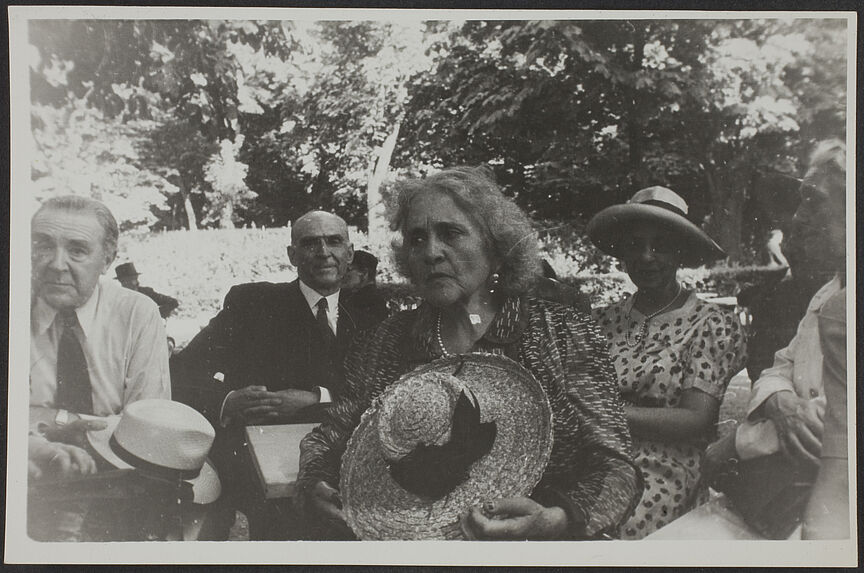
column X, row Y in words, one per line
column 321, row 317
column 74, row 392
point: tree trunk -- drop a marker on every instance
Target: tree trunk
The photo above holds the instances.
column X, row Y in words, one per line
column 190, row 212
column 376, row 205
column 635, row 129
column 226, row 216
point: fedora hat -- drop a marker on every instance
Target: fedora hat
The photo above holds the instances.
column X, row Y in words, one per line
column 608, row 228
column 447, row 436
column 125, row 270
column 162, row 439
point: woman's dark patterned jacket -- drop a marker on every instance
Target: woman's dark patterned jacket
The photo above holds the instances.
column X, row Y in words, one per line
column 590, row 473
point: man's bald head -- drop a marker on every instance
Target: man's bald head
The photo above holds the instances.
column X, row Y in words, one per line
column 315, row 218
column 321, row 250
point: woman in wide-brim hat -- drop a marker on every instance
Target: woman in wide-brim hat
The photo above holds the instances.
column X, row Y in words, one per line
column 674, row 353
column 468, row 252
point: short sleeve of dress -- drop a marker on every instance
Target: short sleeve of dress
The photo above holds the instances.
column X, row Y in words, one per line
column 718, row 351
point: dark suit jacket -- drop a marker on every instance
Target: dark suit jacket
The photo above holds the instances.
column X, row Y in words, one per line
column 266, row 335
column 370, row 301
column 167, row 304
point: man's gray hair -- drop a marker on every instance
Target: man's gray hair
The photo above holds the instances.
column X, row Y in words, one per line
column 80, row 204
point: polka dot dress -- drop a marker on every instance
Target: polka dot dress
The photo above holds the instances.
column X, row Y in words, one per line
column 701, row 346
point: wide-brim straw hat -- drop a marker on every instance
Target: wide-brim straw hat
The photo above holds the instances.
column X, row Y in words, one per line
column 419, row 406
column 162, row 438
column 609, row 228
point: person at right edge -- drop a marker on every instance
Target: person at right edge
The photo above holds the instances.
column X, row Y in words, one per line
column 787, row 408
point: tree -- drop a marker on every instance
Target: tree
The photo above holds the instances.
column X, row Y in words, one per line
column 78, row 152
column 183, row 71
column 576, row 115
column 328, row 143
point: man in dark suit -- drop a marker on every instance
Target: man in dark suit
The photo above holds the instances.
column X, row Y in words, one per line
column 273, row 354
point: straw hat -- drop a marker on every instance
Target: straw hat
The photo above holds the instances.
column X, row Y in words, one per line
column 416, row 414
column 163, row 439
column 660, row 205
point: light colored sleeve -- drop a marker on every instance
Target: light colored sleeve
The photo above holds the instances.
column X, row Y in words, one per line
column 756, row 439
column 775, row 379
column 832, row 337
column 756, row 436
column 147, row 374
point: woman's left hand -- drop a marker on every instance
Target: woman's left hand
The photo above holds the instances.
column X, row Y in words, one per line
column 514, row 518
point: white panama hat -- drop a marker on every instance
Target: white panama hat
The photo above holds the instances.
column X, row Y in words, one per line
column 162, row 438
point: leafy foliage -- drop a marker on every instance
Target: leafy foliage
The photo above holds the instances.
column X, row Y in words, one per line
column 217, row 123
column 577, row 115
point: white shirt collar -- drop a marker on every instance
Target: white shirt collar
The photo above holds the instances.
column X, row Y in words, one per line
column 44, row 314
column 312, row 297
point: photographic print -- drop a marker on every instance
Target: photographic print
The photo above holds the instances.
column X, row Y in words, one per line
column 385, row 286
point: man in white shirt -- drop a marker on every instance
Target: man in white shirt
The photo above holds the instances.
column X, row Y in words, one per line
column 274, row 353
column 787, row 403
column 94, row 346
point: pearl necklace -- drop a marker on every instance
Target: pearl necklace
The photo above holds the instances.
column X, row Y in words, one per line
column 441, row 340
column 643, row 330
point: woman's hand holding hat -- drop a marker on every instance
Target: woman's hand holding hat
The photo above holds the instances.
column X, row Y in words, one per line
column 514, row 518
column 325, row 501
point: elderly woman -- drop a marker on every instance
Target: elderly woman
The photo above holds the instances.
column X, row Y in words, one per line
column 674, row 354
column 467, row 250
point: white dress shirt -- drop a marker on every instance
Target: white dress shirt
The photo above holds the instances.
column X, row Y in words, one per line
column 124, row 342
column 797, row 368
column 313, row 298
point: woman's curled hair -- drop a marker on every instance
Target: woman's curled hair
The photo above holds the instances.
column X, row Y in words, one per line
column 509, row 236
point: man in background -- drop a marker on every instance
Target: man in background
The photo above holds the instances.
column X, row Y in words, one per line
column 550, row 287
column 361, row 288
column 128, row 277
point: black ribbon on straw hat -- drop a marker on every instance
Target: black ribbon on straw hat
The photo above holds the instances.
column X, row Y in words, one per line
column 433, row 471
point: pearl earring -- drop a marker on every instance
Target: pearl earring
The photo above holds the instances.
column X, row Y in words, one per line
column 495, row 279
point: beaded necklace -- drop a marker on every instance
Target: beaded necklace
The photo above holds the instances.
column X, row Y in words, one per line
column 643, row 330
column 441, row 340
